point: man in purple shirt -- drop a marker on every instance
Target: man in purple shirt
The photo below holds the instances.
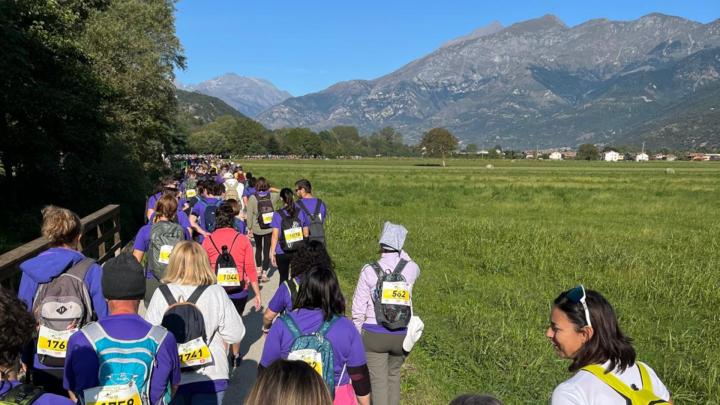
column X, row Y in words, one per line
column 123, row 285
column 303, row 188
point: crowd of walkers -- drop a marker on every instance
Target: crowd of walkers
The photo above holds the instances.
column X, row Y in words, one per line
column 74, row 332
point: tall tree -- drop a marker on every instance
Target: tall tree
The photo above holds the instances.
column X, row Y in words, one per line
column 588, row 151
column 438, row 142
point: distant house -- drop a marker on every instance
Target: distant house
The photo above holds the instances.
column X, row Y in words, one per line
column 611, row 156
column 569, row 154
column 696, row 156
column 642, row 157
column 712, row 156
column 659, row 156
column 555, row 156
column 670, row 158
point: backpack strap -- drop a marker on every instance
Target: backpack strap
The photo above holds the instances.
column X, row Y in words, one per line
column 317, row 207
column 611, row 380
column 214, row 245
column 196, row 294
column 169, row 298
column 644, row 376
column 22, row 394
column 302, row 206
column 94, row 332
column 379, row 272
column 291, row 325
column 400, row 266
column 233, row 242
column 78, row 271
column 157, row 333
column 292, row 287
column 325, row 328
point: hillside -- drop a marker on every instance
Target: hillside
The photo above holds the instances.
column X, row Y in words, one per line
column 202, row 109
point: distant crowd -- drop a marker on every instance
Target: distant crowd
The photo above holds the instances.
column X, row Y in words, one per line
column 74, row 332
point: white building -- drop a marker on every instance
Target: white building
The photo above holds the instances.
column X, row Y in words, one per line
column 642, row 157
column 611, row 156
column 555, row 156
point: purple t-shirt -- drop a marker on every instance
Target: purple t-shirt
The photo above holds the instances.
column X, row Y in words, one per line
column 249, row 191
column 240, row 226
column 44, row 399
column 347, row 345
column 81, row 363
column 310, row 204
column 282, row 300
column 199, row 211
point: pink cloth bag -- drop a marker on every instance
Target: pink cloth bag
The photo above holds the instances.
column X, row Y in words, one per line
column 345, row 395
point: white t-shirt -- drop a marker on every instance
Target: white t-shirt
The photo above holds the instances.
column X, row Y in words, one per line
column 585, row 389
column 220, row 317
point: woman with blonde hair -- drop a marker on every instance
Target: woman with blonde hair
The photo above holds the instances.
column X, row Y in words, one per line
column 288, row 382
column 40, row 276
column 190, row 285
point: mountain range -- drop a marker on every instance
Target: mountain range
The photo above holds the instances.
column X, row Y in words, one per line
column 249, row 95
column 541, row 83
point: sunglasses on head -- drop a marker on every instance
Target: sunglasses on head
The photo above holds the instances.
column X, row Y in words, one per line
column 577, row 295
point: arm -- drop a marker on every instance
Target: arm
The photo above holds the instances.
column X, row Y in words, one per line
column 194, row 224
column 138, row 254
column 27, row 291
column 251, row 272
column 273, row 245
column 231, row 328
column 268, row 318
column 93, row 279
column 358, row 370
column 166, row 370
column 361, row 299
column 81, row 365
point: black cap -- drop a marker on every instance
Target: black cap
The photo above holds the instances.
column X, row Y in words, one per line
column 123, row 278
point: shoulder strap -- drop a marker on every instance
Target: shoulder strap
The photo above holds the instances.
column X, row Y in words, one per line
column 292, row 287
column 611, row 380
column 302, row 206
column 400, row 266
column 81, row 268
column 196, row 294
column 318, row 206
column 94, row 332
column 325, row 328
column 22, row 394
column 214, row 245
column 283, row 214
column 157, row 333
column 291, row 325
column 378, row 270
column 644, row 377
column 169, row 298
column 233, row 242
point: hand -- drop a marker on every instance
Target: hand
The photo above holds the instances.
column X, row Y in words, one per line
column 272, row 259
column 258, row 304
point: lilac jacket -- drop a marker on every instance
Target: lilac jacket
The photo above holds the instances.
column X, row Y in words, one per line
column 363, row 310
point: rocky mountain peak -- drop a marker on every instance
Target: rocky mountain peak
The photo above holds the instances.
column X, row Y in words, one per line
column 249, row 95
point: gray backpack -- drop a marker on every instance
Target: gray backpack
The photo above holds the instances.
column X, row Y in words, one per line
column 61, row 305
column 164, row 235
column 393, row 307
column 317, row 227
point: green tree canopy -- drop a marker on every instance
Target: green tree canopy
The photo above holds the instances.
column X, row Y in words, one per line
column 588, row 151
column 438, row 142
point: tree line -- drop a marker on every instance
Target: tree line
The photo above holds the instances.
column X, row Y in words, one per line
column 87, row 105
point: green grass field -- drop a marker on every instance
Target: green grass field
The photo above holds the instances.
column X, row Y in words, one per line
column 496, row 246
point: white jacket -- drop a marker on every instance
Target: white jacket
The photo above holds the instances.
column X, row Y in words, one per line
column 220, row 317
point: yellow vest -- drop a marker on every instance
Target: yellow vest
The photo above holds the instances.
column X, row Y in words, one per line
column 643, row 396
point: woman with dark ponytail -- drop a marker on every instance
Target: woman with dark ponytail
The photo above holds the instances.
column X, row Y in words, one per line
column 287, row 234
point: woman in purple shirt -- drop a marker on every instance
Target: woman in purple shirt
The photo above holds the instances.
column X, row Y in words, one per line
column 383, row 346
column 320, row 303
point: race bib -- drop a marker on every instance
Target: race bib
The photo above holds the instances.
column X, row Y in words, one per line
column 396, row 293
column 293, row 235
column 164, row 256
column 309, row 356
column 194, row 353
column 267, row 218
column 126, row 394
column 52, row 342
column 228, row 277
column 190, row 193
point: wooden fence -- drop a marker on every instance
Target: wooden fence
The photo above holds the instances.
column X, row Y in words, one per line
column 100, row 240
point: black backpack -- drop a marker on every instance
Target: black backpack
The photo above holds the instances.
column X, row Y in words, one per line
column 265, row 210
column 226, row 261
column 316, row 228
column 185, row 321
column 290, row 230
column 22, row 394
column 392, row 314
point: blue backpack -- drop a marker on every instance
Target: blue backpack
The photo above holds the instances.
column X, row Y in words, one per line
column 207, row 212
column 314, row 349
column 125, row 361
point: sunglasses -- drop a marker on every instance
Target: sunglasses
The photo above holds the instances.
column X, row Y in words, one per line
column 577, row 295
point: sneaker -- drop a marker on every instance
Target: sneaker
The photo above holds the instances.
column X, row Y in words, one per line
column 265, row 279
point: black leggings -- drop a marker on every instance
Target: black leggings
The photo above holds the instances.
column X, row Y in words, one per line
column 239, row 304
column 262, row 250
column 283, row 264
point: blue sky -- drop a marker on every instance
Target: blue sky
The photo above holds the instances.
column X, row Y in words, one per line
column 306, row 46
